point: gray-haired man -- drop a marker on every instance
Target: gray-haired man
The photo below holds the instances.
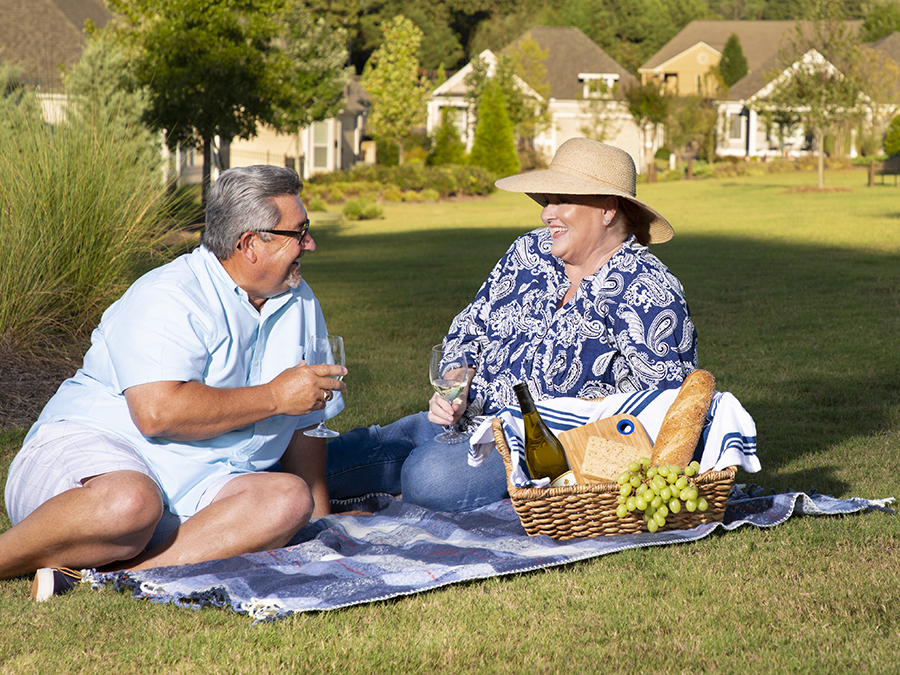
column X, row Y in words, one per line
column 155, row 452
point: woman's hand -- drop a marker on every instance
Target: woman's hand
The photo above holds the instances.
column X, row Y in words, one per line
column 444, row 412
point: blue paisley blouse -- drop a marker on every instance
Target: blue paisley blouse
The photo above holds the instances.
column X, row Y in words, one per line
column 628, row 328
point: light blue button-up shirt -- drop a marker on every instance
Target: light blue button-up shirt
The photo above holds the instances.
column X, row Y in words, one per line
column 189, row 321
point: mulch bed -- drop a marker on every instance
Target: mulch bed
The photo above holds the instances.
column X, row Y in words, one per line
column 28, row 380
column 813, row 188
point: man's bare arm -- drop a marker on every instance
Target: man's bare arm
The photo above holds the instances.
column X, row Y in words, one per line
column 194, row 411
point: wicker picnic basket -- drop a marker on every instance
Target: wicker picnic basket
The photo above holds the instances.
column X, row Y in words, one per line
column 590, row 510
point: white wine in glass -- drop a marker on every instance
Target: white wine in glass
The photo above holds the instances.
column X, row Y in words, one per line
column 449, row 375
column 328, row 349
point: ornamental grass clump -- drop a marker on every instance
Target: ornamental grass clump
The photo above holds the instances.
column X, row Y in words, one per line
column 79, row 202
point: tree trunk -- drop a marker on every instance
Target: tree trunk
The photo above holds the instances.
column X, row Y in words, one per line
column 820, row 149
column 207, row 167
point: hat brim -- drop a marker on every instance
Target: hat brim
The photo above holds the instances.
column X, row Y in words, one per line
column 537, row 184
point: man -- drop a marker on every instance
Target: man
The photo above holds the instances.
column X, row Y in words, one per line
column 155, row 452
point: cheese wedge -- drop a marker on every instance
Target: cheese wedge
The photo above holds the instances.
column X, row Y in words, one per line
column 605, row 460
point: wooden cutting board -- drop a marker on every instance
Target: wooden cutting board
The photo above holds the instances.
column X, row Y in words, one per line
column 625, row 429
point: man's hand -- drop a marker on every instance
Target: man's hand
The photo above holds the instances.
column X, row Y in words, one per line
column 302, row 389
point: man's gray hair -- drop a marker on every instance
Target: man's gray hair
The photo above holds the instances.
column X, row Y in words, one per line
column 241, row 200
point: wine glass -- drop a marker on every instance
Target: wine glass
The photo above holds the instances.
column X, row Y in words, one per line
column 449, row 375
column 328, row 349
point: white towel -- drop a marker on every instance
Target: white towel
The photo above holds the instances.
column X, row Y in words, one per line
column 729, row 437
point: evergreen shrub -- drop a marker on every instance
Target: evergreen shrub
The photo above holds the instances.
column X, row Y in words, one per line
column 362, row 209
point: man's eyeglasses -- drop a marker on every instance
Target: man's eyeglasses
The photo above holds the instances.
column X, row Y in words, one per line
column 297, row 234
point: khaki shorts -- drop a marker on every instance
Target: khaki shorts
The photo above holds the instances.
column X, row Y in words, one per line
column 61, row 456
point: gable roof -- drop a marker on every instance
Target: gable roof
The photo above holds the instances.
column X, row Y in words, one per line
column 39, row 36
column 754, row 81
column 571, row 52
column 889, row 45
column 760, row 40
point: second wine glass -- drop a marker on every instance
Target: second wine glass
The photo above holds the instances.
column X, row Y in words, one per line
column 449, row 375
column 328, row 349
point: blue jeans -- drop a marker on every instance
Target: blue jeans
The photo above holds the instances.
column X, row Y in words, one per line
column 404, row 457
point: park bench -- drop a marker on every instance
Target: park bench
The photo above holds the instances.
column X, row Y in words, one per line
column 889, row 167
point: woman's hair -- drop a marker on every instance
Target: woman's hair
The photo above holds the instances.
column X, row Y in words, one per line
column 241, row 200
column 637, row 222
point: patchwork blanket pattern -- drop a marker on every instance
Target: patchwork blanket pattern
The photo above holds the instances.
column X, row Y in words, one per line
column 400, row 549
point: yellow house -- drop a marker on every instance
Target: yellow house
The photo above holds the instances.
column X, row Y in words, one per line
column 684, row 64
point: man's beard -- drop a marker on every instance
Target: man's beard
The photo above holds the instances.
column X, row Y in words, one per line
column 294, row 279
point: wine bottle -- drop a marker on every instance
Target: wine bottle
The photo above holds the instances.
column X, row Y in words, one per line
column 544, row 454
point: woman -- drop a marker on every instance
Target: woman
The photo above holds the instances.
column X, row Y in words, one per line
column 577, row 308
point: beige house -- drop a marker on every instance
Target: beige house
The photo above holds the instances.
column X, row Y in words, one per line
column 574, row 65
column 684, row 67
column 42, row 37
column 330, row 145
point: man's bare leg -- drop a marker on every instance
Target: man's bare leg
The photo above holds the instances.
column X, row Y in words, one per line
column 111, row 517
column 253, row 512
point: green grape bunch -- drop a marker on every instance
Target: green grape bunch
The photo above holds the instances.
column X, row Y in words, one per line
column 658, row 491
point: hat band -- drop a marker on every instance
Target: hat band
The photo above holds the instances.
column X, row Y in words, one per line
column 570, row 171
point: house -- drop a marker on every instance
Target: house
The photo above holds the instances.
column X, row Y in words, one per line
column 44, row 37
column 746, row 133
column 684, row 67
column 574, row 64
column 331, row 145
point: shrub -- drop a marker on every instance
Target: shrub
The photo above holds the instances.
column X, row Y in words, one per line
column 447, row 180
column 531, row 159
column 448, row 147
column 392, row 193
column 362, row 209
column 78, row 213
column 316, row 203
column 494, row 146
column 430, row 195
column 892, row 137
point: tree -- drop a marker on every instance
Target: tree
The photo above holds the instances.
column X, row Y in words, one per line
column 600, row 106
column 448, row 147
column 692, row 124
column 494, row 146
column 880, row 78
column 733, row 65
column 206, row 65
column 529, row 63
column 650, row 109
column 392, row 79
column 892, row 138
column 819, row 79
column 527, row 110
column 312, row 71
column 882, row 19
column 103, row 86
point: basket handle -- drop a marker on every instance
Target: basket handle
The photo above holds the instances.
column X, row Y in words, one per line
column 503, row 449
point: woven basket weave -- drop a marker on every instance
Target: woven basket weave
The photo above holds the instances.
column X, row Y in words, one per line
column 590, row 510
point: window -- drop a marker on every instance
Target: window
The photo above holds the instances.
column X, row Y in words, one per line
column 736, row 126
column 320, row 145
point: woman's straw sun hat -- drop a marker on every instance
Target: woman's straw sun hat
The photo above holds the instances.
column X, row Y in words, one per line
column 585, row 167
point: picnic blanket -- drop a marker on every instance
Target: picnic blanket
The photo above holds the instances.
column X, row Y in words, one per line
column 400, row 549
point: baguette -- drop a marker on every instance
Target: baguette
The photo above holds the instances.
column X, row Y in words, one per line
column 684, row 421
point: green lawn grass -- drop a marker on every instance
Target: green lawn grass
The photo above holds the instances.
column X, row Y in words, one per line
column 796, row 297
